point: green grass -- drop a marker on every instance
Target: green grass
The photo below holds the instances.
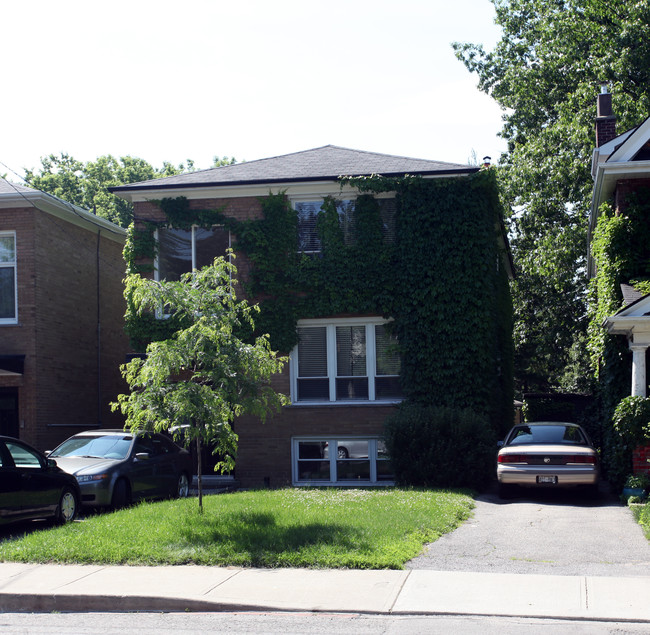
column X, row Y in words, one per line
column 642, row 515
column 321, row 528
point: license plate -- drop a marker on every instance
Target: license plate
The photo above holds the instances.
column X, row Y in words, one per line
column 547, row 479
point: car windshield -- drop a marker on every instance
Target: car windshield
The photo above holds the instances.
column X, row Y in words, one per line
column 99, row 447
column 569, row 435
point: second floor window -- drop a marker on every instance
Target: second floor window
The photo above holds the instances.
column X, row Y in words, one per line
column 182, row 250
column 8, row 299
column 308, row 211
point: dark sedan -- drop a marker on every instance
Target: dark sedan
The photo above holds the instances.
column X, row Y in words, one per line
column 114, row 467
column 32, row 486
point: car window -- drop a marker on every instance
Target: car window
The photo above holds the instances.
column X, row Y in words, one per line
column 100, row 447
column 570, row 435
column 144, row 444
column 22, row 456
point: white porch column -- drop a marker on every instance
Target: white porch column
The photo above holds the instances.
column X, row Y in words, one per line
column 638, row 369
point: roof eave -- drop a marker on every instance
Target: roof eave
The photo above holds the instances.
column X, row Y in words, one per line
column 124, row 189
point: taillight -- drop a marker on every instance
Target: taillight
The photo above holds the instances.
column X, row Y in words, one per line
column 590, row 459
column 511, row 458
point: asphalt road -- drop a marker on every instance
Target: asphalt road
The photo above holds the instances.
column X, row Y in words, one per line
column 299, row 623
column 546, row 532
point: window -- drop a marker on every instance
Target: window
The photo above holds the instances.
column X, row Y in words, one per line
column 308, row 211
column 347, row 360
column 8, row 299
column 182, row 250
column 341, row 461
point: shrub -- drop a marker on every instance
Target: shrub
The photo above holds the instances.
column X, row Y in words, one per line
column 630, row 428
column 440, row 447
column 632, row 420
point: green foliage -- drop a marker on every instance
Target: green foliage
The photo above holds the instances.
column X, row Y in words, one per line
column 440, row 447
column 441, row 279
column 544, row 73
column 621, row 252
column 209, row 371
column 631, row 420
column 314, row 528
column 638, row 481
column 86, row 184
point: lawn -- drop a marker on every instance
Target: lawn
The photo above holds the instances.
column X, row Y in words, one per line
column 642, row 515
column 321, row 528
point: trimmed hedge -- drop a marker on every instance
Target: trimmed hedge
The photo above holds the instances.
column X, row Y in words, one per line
column 434, row 446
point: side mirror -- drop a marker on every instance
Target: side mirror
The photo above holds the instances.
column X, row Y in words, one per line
column 500, row 444
column 143, row 456
column 51, row 463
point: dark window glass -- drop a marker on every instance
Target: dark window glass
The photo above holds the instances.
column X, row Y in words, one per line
column 174, row 253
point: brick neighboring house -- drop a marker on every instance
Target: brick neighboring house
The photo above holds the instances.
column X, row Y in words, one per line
column 621, row 170
column 343, row 376
column 61, row 317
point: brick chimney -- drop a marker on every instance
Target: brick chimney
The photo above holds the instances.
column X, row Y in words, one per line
column 605, row 119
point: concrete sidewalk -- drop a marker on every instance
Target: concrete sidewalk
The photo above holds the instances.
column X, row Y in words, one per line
column 84, row 588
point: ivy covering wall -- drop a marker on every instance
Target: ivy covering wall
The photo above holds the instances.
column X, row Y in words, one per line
column 439, row 274
column 620, row 249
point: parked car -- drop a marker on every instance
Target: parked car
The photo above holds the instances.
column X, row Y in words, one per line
column 547, row 454
column 114, row 467
column 33, row 486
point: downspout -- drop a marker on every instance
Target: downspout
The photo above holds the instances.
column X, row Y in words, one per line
column 99, row 342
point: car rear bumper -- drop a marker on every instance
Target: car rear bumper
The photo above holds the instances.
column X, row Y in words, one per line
column 566, row 476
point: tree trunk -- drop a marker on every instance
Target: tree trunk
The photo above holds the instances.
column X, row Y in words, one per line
column 199, row 470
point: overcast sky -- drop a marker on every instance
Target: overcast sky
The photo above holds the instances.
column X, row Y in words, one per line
column 169, row 80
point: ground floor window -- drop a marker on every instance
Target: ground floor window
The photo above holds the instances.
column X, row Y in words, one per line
column 341, row 461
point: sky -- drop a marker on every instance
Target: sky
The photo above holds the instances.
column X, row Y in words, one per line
column 166, row 80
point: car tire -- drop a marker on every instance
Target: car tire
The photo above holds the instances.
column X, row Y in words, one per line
column 68, row 508
column 121, row 495
column 342, row 453
column 183, row 486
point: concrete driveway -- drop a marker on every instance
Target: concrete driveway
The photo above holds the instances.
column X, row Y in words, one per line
column 547, row 532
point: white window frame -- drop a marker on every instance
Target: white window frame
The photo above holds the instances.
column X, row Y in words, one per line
column 193, row 239
column 371, row 361
column 14, row 266
column 332, row 441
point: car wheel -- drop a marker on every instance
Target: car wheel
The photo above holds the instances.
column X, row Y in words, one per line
column 68, row 506
column 183, row 487
column 120, row 496
column 342, row 453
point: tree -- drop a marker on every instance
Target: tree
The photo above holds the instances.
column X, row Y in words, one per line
column 210, row 371
column 86, row 184
column 545, row 73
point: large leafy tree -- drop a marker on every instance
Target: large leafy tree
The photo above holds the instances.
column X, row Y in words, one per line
column 86, row 184
column 210, row 371
column 545, row 73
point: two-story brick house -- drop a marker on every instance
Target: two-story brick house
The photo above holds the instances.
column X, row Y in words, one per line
column 61, row 317
column 346, row 372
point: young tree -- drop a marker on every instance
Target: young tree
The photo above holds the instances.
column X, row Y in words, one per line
column 212, row 370
column 545, row 72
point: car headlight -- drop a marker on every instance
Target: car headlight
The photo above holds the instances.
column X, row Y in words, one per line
column 88, row 478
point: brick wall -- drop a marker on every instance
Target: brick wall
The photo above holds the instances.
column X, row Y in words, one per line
column 264, row 454
column 641, row 460
column 70, row 374
column 624, row 187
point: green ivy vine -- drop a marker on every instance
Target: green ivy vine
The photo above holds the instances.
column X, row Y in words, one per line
column 620, row 249
column 438, row 275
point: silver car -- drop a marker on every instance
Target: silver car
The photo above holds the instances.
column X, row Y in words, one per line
column 547, row 454
column 114, row 468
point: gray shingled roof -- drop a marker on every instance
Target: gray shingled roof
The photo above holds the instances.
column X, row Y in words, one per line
column 12, row 188
column 325, row 163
